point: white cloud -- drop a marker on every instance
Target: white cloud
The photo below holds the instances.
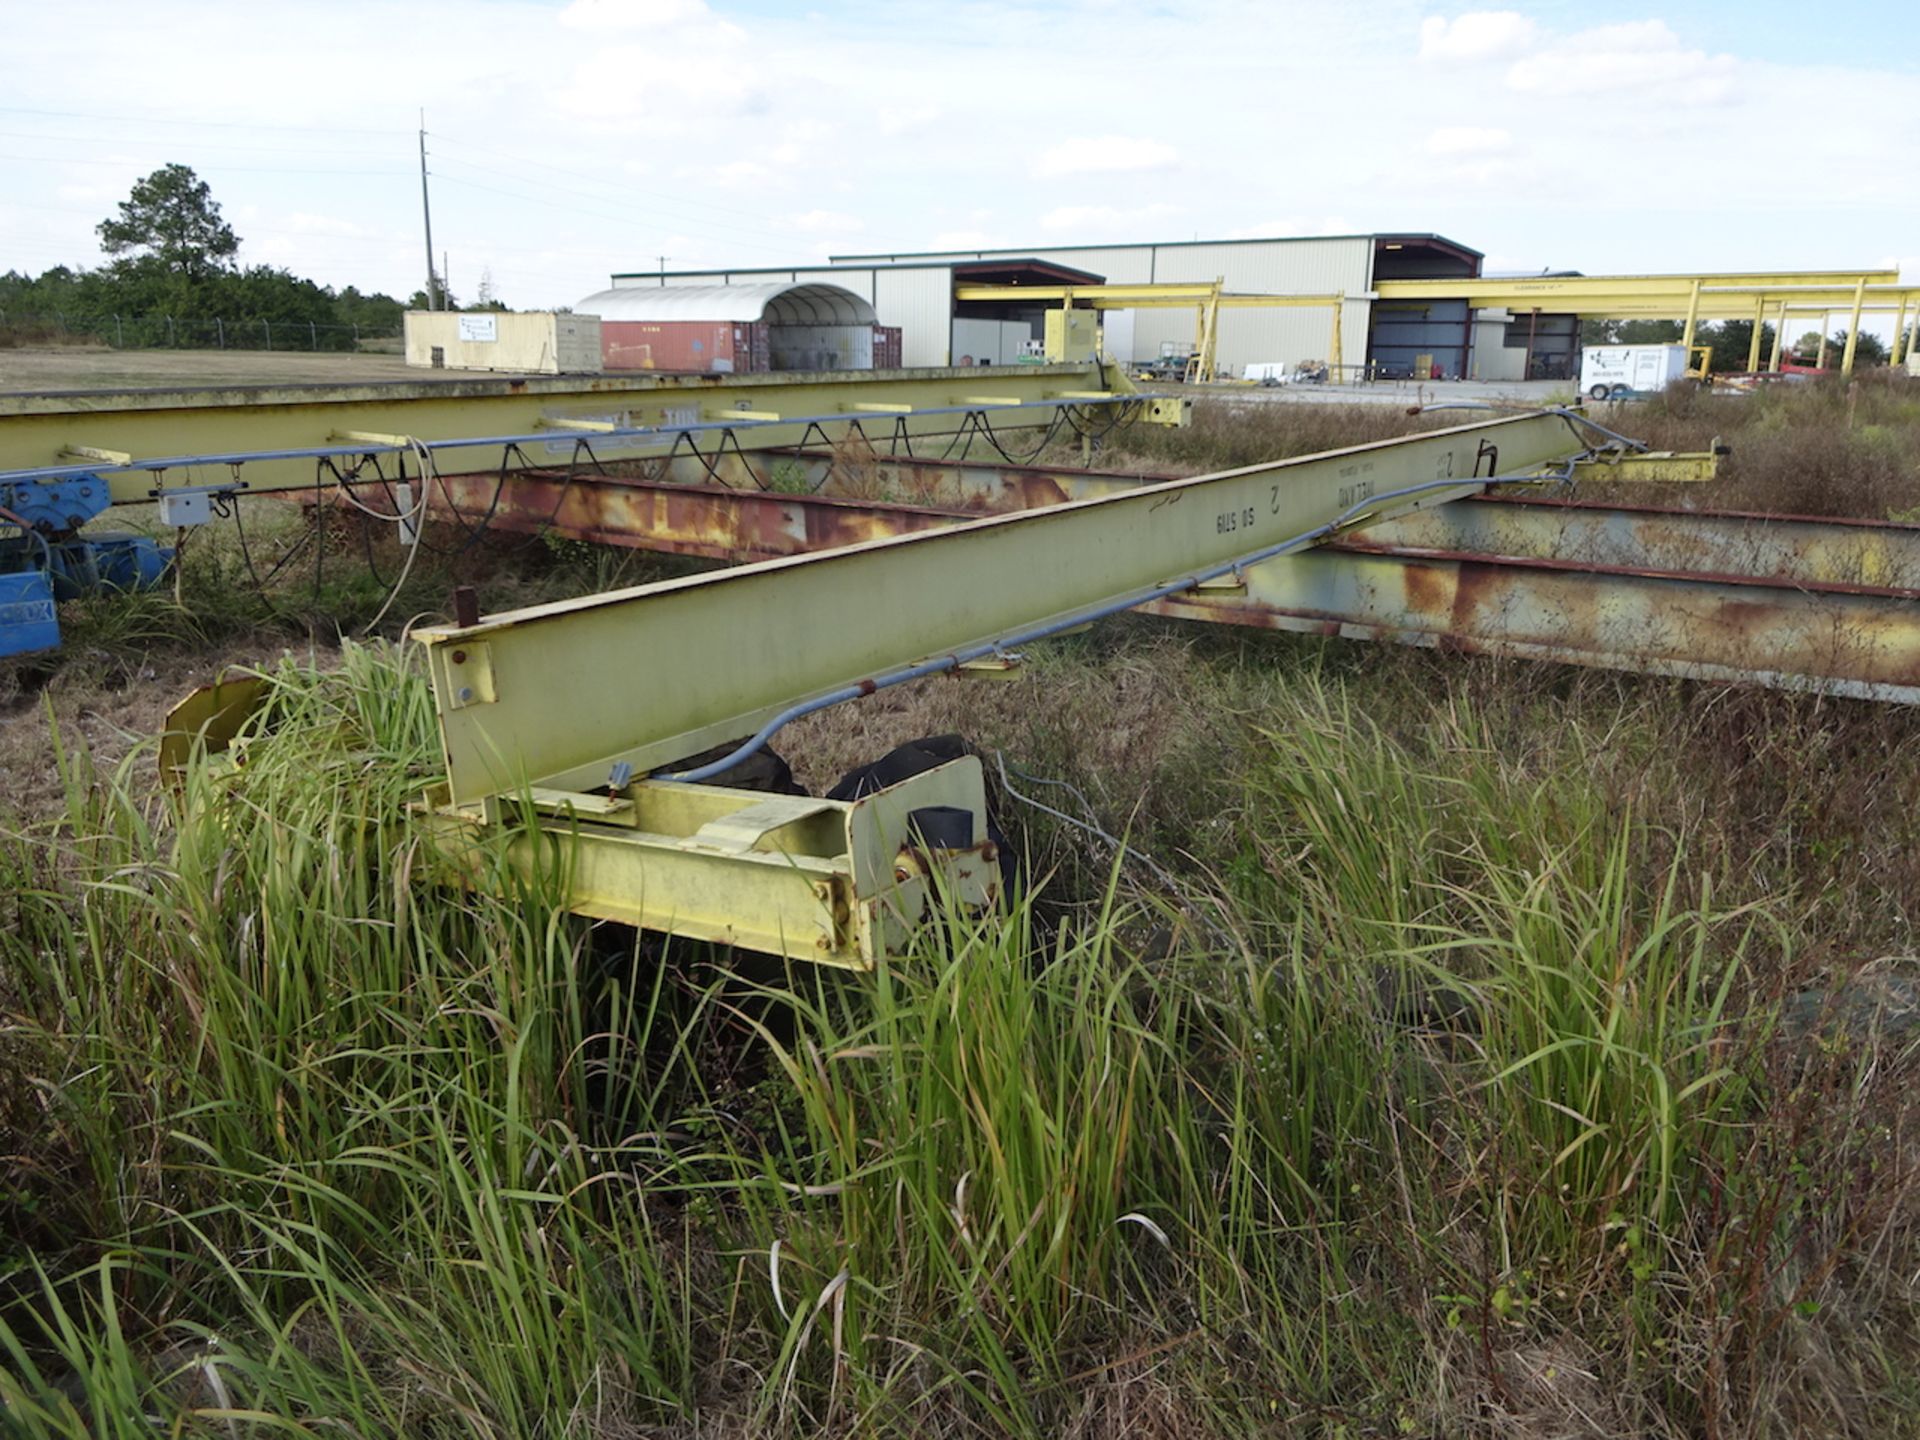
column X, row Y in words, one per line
column 826, row 222
column 1290, row 227
column 1102, row 154
column 899, row 119
column 1616, row 59
column 631, row 14
column 721, row 120
column 1452, row 140
column 1476, row 35
column 1110, row 220
column 309, row 224
column 965, row 240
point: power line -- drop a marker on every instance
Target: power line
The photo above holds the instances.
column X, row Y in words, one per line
column 196, row 144
column 217, row 165
column 198, row 124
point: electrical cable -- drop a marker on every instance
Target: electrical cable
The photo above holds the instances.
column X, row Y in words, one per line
column 427, row 468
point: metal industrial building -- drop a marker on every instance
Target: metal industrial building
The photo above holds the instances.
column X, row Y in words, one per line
column 916, row 292
column 1400, row 302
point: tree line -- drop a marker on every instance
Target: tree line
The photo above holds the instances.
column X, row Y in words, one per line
column 1731, row 341
column 173, row 279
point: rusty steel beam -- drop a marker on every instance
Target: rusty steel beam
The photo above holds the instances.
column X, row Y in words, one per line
column 1782, row 549
column 1795, row 602
column 1859, row 641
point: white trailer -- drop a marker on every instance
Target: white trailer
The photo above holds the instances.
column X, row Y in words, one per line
column 1607, row 371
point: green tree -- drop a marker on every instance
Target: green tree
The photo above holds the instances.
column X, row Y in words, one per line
column 419, row 300
column 1731, row 342
column 171, row 217
column 1629, row 332
column 1869, row 350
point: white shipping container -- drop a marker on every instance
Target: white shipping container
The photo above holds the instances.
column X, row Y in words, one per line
column 534, row 342
column 1609, row 370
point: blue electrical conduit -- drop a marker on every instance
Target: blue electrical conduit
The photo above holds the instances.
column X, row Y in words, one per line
column 957, row 658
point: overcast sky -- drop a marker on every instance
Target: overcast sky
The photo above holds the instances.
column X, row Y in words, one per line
column 579, row 137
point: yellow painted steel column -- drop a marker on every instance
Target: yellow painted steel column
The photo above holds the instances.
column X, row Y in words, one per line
column 1826, row 325
column 1759, row 322
column 1779, row 338
column 1334, row 356
column 1900, row 335
column 1853, row 329
column 1693, row 319
column 1913, row 330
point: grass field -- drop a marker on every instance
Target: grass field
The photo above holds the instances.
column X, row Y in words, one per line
column 1453, row 1048
column 34, row 368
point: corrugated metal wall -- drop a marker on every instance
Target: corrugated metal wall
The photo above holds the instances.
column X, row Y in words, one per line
column 918, row 299
column 1339, row 265
column 1281, row 267
column 920, row 302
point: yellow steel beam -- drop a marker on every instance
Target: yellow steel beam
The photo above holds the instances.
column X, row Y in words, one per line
column 547, row 715
column 1853, row 329
column 1689, row 467
column 45, row 431
column 636, row 667
column 1142, row 297
column 1562, row 292
column 1735, row 303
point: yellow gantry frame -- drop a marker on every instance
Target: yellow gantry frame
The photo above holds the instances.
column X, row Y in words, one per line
column 1690, row 299
column 1204, row 298
column 1730, row 295
column 103, row 429
column 548, row 714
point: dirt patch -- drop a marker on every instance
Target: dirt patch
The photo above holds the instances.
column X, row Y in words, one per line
column 110, row 709
column 63, row 367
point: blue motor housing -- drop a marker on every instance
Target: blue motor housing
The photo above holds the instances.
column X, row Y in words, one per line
column 106, row 562
column 57, row 507
column 49, row 562
column 28, row 620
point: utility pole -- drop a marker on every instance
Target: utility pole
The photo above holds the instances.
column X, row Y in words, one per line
column 426, row 214
column 663, row 268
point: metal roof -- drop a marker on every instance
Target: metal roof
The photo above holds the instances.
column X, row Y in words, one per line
column 968, row 255
column 775, row 303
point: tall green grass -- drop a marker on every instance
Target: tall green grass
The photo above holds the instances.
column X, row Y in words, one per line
column 1461, row 1066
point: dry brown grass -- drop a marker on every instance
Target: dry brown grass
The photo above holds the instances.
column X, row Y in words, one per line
column 1819, row 448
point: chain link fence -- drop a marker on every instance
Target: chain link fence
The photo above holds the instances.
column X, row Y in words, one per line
column 160, row 332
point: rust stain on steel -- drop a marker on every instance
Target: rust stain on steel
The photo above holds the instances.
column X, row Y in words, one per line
column 1788, row 548
column 1849, row 640
column 1575, row 567
column 715, row 522
column 1836, row 632
column 1426, row 591
column 973, row 486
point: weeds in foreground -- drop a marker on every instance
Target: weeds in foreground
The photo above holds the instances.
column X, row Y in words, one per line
column 1478, row 1103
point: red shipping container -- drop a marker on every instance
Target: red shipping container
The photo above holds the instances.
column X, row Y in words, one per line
column 703, row 346
column 886, row 347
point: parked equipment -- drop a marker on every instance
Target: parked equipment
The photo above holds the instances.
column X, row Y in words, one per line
column 1612, row 372
column 44, row 559
column 620, row 772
